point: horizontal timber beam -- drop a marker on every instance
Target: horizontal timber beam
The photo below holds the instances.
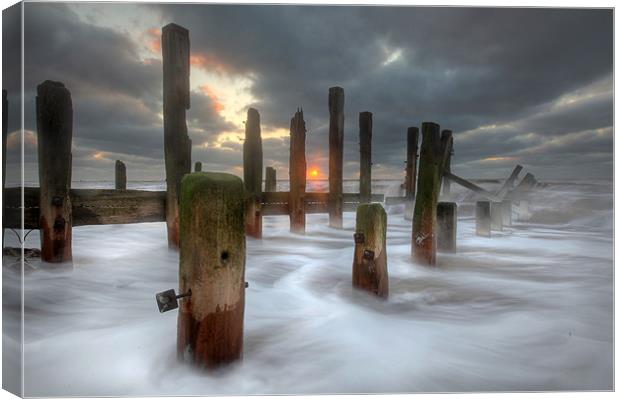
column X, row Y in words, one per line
column 103, row 206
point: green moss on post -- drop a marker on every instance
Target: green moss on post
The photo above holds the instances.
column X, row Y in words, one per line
column 212, row 266
column 370, row 259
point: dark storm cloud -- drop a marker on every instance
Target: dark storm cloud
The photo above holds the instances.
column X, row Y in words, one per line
column 462, row 68
column 496, row 77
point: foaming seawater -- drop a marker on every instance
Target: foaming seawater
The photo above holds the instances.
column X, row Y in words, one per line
column 528, row 309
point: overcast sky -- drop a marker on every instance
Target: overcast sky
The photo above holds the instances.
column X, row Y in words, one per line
column 528, row 86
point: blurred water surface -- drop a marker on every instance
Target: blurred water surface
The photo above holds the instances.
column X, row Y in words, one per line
column 529, row 309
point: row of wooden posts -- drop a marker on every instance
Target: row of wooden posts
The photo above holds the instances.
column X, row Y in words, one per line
column 209, row 214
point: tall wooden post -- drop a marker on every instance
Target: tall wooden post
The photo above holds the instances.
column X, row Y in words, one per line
column 446, row 135
column 496, row 216
column 432, row 155
column 177, row 145
column 336, row 143
column 5, row 126
column 212, row 268
column 198, row 166
column 411, row 170
column 297, row 174
column 370, row 258
column 509, row 183
column 253, row 173
column 507, row 213
column 483, row 218
column 365, row 122
column 120, row 175
column 446, row 226
column 270, row 179
column 54, row 135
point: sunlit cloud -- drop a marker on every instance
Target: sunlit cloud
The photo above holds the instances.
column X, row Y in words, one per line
column 209, row 63
column 210, row 92
column 500, row 159
column 13, row 139
column 393, row 56
column 153, row 40
column 100, row 156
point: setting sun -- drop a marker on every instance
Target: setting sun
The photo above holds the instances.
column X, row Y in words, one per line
column 314, row 173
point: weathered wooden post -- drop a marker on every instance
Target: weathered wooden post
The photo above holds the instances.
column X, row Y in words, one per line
column 177, row 145
column 446, row 135
column 432, row 155
column 509, row 183
column 483, row 218
column 336, row 143
column 253, row 173
column 370, row 259
column 120, row 175
column 297, row 174
column 446, row 226
column 270, row 179
column 365, row 122
column 211, row 269
column 198, row 166
column 54, row 135
column 411, row 170
column 5, row 126
column 496, row 216
column 507, row 213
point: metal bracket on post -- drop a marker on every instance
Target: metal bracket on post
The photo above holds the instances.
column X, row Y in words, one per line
column 168, row 300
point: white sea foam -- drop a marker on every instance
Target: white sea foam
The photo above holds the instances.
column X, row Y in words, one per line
column 528, row 309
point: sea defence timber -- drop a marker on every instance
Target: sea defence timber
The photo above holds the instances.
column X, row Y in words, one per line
column 370, row 271
column 54, row 207
column 211, row 269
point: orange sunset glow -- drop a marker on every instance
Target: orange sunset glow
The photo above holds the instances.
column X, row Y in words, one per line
column 313, row 173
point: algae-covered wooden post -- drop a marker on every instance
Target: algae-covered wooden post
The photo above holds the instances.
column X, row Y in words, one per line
column 270, row 179
column 483, row 218
column 253, row 173
column 297, row 174
column 336, row 142
column 411, row 170
column 120, row 175
column 365, row 122
column 507, row 213
column 370, row 258
column 212, row 268
column 446, row 136
column 446, row 226
column 424, row 234
column 198, row 166
column 177, row 145
column 5, row 126
column 54, row 134
column 496, row 215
